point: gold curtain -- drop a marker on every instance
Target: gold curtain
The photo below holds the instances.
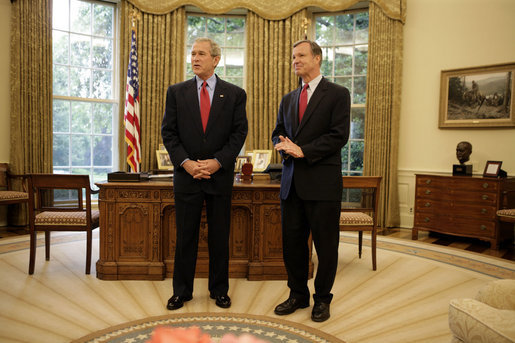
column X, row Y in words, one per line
column 383, row 109
column 160, row 43
column 31, row 90
column 269, row 72
column 268, row 9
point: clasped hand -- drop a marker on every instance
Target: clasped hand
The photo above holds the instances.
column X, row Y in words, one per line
column 289, row 147
column 201, row 169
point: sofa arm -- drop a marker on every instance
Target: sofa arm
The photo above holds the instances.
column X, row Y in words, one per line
column 474, row 321
column 499, row 294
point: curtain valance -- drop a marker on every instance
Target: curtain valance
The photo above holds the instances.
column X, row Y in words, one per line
column 268, row 9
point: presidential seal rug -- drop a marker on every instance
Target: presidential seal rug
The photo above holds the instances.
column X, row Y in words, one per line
column 216, row 325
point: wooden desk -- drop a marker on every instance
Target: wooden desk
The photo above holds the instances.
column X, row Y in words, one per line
column 138, row 232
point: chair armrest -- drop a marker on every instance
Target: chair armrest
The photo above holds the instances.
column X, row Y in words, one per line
column 499, row 294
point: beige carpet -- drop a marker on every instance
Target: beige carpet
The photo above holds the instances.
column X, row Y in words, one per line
column 405, row 300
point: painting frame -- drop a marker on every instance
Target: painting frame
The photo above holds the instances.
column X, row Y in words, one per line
column 477, row 97
column 492, row 168
column 163, row 160
column 261, row 159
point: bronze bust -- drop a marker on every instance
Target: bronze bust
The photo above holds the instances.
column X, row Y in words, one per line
column 463, row 151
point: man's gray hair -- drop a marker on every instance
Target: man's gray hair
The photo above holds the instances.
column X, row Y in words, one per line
column 215, row 48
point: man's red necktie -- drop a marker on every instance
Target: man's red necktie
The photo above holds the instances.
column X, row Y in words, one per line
column 303, row 101
column 205, row 105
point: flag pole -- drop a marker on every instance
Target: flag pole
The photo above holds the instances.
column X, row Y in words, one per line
column 132, row 100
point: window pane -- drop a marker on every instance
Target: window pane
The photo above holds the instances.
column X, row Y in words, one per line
column 343, row 61
column 102, row 146
column 235, row 32
column 80, row 16
column 362, row 28
column 360, row 60
column 356, row 155
column 102, row 84
column 102, row 118
column 79, row 82
column 237, row 81
column 345, row 157
column 357, row 124
column 60, row 47
column 344, row 26
column 60, row 80
column 79, row 50
column 81, row 147
column 61, row 150
column 196, row 28
column 216, row 29
column 324, row 30
column 61, row 116
column 234, row 60
column 81, row 117
column 60, row 14
column 327, row 63
column 344, row 81
column 102, row 53
column 103, row 20
column 360, row 88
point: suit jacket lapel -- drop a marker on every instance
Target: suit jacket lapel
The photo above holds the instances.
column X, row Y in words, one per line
column 216, row 105
column 316, row 97
column 193, row 102
column 295, row 113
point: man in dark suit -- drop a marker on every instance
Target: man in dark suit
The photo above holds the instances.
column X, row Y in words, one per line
column 312, row 127
column 204, row 128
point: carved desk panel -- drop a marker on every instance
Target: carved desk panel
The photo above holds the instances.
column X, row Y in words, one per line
column 137, row 232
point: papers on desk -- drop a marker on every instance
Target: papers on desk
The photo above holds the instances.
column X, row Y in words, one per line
column 161, row 176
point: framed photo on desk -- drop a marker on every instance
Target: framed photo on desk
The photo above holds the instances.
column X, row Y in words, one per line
column 163, row 160
column 492, row 168
column 261, row 159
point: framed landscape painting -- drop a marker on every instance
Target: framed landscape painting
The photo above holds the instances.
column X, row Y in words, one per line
column 477, row 97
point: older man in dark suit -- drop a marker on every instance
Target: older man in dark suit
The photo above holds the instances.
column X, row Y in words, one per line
column 312, row 127
column 204, row 128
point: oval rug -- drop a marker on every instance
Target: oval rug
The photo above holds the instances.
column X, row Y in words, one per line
column 216, row 325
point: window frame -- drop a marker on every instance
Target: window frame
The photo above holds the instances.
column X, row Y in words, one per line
column 114, row 100
column 354, row 106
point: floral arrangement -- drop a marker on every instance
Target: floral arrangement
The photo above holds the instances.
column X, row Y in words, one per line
column 193, row 334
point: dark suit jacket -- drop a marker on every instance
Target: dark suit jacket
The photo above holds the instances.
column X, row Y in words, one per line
column 323, row 132
column 184, row 137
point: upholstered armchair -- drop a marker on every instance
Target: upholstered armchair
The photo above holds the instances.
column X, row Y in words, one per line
column 490, row 317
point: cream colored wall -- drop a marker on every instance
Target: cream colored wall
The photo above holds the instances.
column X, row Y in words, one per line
column 439, row 35
column 5, row 128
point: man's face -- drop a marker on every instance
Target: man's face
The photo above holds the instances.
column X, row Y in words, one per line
column 305, row 64
column 202, row 63
column 463, row 152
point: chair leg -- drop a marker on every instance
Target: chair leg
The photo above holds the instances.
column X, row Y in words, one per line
column 89, row 237
column 374, row 238
column 47, row 245
column 360, row 235
column 32, row 251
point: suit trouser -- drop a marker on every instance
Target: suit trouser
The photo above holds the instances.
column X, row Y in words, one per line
column 188, row 207
column 299, row 217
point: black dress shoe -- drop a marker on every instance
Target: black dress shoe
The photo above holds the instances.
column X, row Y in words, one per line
column 320, row 312
column 222, row 301
column 177, row 301
column 289, row 306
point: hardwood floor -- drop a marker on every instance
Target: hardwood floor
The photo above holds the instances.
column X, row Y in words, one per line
column 506, row 251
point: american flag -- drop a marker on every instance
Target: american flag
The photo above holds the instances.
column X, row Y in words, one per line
column 132, row 118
